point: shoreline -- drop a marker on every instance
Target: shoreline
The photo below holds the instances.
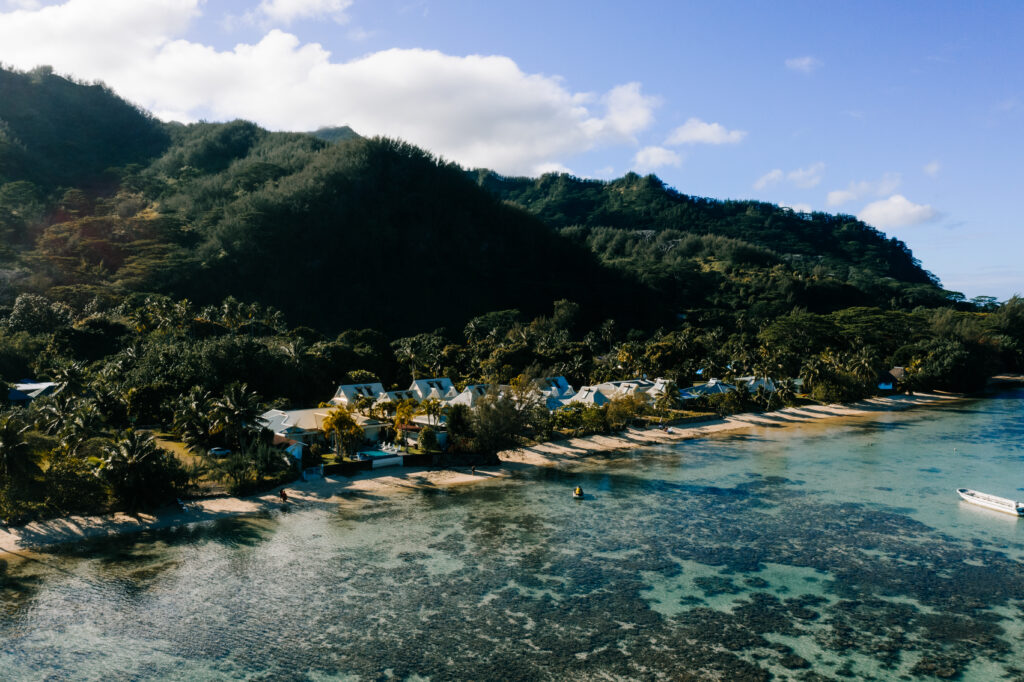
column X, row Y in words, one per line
column 331, row 491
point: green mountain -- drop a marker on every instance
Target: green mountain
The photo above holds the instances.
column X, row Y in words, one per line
column 733, row 254
column 335, row 134
column 56, row 132
column 97, row 199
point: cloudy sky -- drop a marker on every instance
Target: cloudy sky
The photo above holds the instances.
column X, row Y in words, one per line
column 908, row 115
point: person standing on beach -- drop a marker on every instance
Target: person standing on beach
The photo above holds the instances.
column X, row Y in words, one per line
column 284, row 495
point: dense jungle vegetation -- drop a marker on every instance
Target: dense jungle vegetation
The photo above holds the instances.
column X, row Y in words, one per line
column 190, row 276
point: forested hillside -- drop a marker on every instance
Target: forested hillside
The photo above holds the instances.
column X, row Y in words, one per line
column 99, row 199
column 735, row 255
column 55, row 132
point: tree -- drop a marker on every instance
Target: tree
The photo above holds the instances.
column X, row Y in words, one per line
column 234, row 415
column 427, row 440
column 460, row 430
column 192, row 414
column 345, row 432
column 496, row 422
column 669, row 398
column 432, row 408
column 139, row 473
column 619, row 411
column 404, row 412
column 16, row 463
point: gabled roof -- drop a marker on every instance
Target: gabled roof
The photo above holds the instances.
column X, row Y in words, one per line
column 753, row 383
column 349, row 393
column 554, row 386
column 712, row 387
column 423, row 387
column 590, row 395
column 471, row 395
column 30, row 390
column 396, row 396
column 283, row 423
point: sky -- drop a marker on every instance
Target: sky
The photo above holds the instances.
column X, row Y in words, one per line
column 908, row 115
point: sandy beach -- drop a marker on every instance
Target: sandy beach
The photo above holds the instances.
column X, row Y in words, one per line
column 339, row 490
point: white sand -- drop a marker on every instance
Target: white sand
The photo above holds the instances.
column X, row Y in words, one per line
column 333, row 490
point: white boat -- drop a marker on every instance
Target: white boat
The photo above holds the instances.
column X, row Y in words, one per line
column 991, row 501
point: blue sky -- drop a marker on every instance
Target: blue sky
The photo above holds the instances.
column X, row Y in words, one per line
column 908, row 115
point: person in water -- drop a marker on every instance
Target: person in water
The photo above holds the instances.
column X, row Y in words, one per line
column 578, row 492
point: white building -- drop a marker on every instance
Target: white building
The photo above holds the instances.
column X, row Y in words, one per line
column 349, row 394
column 439, row 389
column 471, row 395
column 590, row 395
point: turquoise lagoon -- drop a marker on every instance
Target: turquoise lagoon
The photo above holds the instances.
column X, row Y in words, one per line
column 826, row 551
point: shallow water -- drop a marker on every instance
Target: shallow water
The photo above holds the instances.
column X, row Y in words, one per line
column 834, row 550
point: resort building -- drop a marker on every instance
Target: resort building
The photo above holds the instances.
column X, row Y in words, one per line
column 302, row 426
column 590, row 395
column 349, row 394
column 471, row 395
column 438, row 389
column 306, row 426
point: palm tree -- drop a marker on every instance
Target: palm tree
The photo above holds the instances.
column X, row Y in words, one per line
column 235, row 415
column 192, row 419
column 347, row 434
column 404, row 412
column 15, row 456
column 786, row 390
column 432, row 408
column 364, row 405
column 70, row 379
column 138, row 471
column 669, row 398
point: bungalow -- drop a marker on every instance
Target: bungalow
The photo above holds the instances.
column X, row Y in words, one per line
column 754, row 383
column 890, row 380
column 620, row 389
column 439, row 389
column 590, row 395
column 303, row 426
column 555, row 387
column 25, row 391
column 395, row 397
column 712, row 387
column 306, row 426
column 349, row 394
column 471, row 395
column 661, row 386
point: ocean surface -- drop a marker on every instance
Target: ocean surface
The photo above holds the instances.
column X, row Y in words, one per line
column 827, row 551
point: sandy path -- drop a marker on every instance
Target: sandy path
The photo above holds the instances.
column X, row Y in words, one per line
column 334, row 490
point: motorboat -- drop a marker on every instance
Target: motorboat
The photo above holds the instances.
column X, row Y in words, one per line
column 1000, row 504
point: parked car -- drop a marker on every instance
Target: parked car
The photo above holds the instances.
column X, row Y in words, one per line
column 219, row 452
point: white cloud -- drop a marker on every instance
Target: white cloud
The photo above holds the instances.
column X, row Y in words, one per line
column 932, row 169
column 476, row 110
column 696, row 131
column 896, row 211
column 628, row 112
column 543, row 168
column 857, row 190
column 805, row 178
column 287, row 11
column 651, row 158
column 805, row 64
column 770, row 178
